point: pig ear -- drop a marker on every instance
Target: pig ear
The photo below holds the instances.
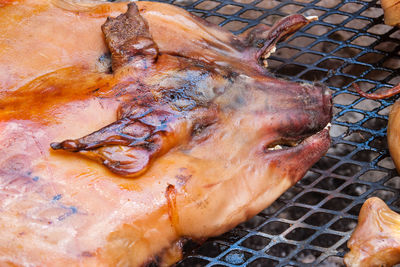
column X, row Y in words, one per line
column 127, row 146
column 129, row 40
column 266, row 40
column 255, row 37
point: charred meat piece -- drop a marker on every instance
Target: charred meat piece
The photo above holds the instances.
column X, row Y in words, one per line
column 125, row 135
column 376, row 239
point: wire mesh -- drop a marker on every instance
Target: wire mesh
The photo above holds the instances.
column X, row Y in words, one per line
column 310, row 224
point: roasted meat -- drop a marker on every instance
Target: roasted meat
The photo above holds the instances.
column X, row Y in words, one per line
column 393, row 134
column 121, row 137
column 391, row 9
column 376, row 239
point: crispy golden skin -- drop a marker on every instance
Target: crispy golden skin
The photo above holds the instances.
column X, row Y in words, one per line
column 393, row 134
column 105, row 166
column 376, row 239
column 391, row 9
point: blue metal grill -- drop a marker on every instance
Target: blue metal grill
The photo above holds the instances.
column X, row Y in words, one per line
column 310, row 224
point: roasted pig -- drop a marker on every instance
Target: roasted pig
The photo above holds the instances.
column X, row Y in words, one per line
column 376, row 239
column 120, row 137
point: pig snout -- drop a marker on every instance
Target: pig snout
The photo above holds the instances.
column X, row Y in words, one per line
column 309, row 112
column 296, row 110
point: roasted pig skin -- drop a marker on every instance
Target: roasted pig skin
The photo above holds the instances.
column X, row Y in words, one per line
column 393, row 133
column 391, row 10
column 376, row 239
column 113, row 159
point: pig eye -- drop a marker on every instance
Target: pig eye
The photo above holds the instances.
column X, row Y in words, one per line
column 198, row 128
column 172, row 96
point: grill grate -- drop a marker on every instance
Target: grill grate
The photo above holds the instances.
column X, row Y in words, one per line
column 310, row 224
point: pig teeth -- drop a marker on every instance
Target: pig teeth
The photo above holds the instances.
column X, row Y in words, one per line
column 277, row 147
column 271, row 51
column 312, row 18
column 328, row 126
column 267, row 55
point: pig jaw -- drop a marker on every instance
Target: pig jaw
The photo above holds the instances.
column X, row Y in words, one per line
column 257, row 174
column 252, row 182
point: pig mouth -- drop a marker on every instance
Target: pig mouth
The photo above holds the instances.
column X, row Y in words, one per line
column 286, row 145
column 318, row 133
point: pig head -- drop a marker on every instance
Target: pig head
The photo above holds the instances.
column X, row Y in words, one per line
column 223, row 97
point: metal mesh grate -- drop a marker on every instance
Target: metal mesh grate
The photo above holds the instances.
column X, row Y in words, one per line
column 311, row 223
